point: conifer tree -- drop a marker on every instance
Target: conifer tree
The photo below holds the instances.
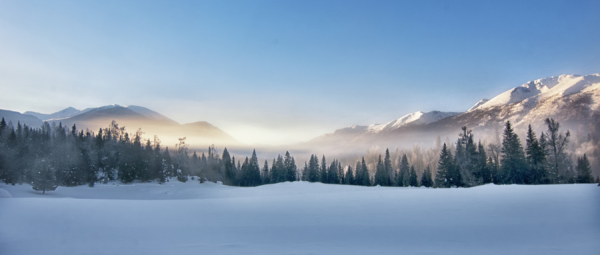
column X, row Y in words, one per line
column 559, row 161
column 324, row 175
column 44, row 177
column 413, row 181
column 381, row 177
column 366, row 177
column 289, row 165
column 584, row 171
column 426, row 179
column 230, row 175
column 313, row 169
column 349, row 178
column 266, row 177
column 513, row 158
column 333, row 173
column 403, row 175
column 536, row 159
column 387, row 166
column 484, row 173
column 445, row 165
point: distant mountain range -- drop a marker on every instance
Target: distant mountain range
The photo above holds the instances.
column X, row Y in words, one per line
column 132, row 117
column 573, row 100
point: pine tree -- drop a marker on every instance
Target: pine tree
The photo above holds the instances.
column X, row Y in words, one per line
column 584, row 171
column 289, row 165
column 333, row 173
column 324, row 176
column 484, row 172
column 445, row 166
column 381, row 177
column 402, row 178
column 366, row 177
column 387, row 166
column 44, row 178
column 426, row 179
column 349, row 178
column 253, row 171
column 536, row 159
column 513, row 158
column 266, row 177
column 413, row 181
column 559, row 161
column 230, row 174
column 313, row 169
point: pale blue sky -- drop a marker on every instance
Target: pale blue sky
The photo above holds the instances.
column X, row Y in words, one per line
column 278, row 72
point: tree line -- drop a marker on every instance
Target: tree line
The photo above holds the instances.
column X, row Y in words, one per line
column 55, row 155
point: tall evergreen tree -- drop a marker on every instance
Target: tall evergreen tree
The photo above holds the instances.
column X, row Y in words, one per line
column 387, row 166
column 413, row 181
column 513, row 158
column 484, row 169
column 536, row 159
column 559, row 161
column 445, row 166
column 313, row 169
column 349, row 178
column 381, row 177
column 426, row 179
column 44, row 177
column 290, row 167
column 402, row 178
column 324, row 176
column 365, row 176
column 230, row 174
column 266, row 177
column 584, row 171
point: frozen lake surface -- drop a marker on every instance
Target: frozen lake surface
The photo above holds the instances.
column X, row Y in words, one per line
column 299, row 218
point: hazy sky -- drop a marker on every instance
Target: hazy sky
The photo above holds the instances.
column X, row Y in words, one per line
column 278, row 72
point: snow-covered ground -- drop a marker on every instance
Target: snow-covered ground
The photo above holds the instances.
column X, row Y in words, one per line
column 299, row 218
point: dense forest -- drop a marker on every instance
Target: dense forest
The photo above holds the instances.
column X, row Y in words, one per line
column 54, row 155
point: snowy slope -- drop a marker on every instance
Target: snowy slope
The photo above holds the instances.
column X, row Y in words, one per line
column 481, row 102
column 299, row 218
column 415, row 118
column 68, row 112
column 541, row 86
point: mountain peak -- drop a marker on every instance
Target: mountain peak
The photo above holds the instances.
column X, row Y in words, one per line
column 415, row 118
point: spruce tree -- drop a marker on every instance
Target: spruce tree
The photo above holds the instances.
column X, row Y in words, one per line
column 413, row 181
column 426, row 179
column 513, row 158
column 445, row 166
column 230, row 174
column 44, row 177
column 484, row 172
column 381, row 177
column 266, row 177
column 324, row 176
column 349, row 178
column 358, row 176
column 559, row 161
column 366, row 177
column 289, row 165
column 584, row 171
column 313, row 169
column 387, row 166
column 536, row 159
column 402, row 179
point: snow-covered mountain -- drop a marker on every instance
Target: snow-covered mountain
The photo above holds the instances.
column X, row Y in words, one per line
column 133, row 118
column 415, row 118
column 68, row 112
column 573, row 100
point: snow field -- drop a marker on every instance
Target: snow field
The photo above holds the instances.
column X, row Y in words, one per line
column 300, row 218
